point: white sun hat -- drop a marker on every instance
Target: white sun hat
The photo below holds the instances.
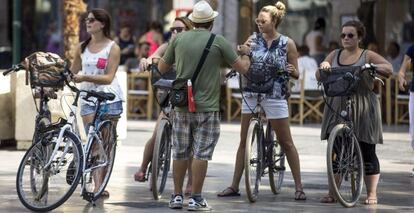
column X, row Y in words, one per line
column 202, row 13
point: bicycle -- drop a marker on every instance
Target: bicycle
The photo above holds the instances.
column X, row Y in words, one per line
column 344, row 158
column 263, row 153
column 52, row 167
column 161, row 156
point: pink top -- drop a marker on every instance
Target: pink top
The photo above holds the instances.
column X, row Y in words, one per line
column 153, row 44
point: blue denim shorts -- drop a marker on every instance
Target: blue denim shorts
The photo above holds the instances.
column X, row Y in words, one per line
column 112, row 108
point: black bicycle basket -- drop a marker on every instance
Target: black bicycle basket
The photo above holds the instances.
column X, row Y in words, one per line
column 339, row 82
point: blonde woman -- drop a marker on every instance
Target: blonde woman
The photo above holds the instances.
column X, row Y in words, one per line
column 279, row 51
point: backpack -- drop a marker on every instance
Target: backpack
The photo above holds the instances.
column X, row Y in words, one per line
column 45, row 69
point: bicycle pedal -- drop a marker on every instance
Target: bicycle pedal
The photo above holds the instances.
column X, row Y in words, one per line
column 88, row 196
column 280, row 168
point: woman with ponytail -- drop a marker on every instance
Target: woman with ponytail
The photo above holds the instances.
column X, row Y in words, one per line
column 278, row 52
column 98, row 58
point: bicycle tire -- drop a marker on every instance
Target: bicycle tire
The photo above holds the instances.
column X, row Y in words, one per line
column 277, row 166
column 161, row 158
column 107, row 134
column 253, row 160
column 341, row 143
column 41, row 198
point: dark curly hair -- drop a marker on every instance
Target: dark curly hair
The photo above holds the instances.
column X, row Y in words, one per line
column 359, row 27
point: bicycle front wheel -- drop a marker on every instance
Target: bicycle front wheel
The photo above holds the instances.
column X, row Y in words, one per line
column 161, row 158
column 345, row 165
column 47, row 178
column 277, row 161
column 253, row 160
column 101, row 161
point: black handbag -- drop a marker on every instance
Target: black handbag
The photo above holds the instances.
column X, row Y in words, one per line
column 178, row 95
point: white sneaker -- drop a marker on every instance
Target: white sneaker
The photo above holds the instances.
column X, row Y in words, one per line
column 193, row 205
column 176, row 202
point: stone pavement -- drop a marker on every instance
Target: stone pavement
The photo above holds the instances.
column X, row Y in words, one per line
column 396, row 188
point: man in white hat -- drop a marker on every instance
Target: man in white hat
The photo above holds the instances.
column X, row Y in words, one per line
column 198, row 132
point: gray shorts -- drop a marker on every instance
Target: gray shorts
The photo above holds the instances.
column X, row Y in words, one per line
column 195, row 133
column 274, row 108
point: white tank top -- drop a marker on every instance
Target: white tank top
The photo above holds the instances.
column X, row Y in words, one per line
column 96, row 64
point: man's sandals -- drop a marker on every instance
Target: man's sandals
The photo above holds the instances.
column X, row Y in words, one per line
column 229, row 192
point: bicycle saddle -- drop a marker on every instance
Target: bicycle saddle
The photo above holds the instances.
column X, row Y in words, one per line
column 101, row 96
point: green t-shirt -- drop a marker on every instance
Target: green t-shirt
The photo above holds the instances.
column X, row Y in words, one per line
column 186, row 50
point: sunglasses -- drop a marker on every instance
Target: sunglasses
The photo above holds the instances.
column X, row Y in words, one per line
column 258, row 21
column 349, row 35
column 90, row 20
column 176, row 29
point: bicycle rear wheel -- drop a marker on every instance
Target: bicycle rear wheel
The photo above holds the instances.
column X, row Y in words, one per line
column 253, row 162
column 277, row 157
column 102, row 158
column 345, row 165
column 44, row 188
column 161, row 158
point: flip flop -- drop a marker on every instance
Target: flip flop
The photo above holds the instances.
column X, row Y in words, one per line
column 139, row 176
column 328, row 199
column 300, row 195
column 229, row 192
column 371, row 201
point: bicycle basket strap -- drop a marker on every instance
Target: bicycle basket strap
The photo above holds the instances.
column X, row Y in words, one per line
column 339, row 82
column 46, row 69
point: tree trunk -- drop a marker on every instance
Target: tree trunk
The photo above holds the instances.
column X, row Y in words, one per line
column 72, row 9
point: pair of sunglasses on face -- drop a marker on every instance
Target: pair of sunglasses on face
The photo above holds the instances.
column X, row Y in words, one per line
column 90, row 20
column 349, row 35
column 259, row 21
column 176, row 29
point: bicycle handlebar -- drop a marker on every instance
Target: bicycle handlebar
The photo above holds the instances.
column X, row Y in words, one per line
column 231, row 74
column 367, row 66
column 14, row 68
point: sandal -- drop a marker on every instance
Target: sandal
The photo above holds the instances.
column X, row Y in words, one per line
column 229, row 192
column 105, row 194
column 371, row 201
column 140, row 176
column 328, row 199
column 300, row 195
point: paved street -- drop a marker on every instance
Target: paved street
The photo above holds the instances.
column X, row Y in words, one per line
column 395, row 189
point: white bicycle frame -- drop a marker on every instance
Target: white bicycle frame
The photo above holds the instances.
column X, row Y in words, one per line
column 69, row 126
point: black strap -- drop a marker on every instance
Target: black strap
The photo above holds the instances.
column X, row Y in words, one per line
column 203, row 58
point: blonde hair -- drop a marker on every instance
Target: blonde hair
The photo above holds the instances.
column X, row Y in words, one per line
column 277, row 12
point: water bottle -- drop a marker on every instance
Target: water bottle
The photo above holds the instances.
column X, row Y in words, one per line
column 191, row 104
column 254, row 42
